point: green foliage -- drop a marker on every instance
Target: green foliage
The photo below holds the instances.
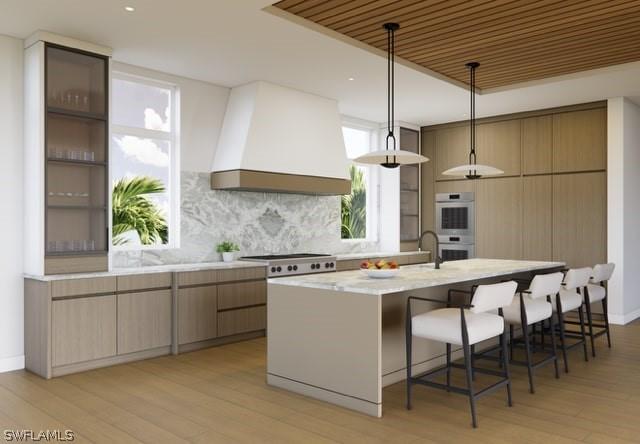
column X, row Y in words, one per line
column 227, row 247
column 354, row 207
column 133, row 210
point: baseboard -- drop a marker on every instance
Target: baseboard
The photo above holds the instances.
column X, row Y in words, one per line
column 12, row 363
column 625, row 318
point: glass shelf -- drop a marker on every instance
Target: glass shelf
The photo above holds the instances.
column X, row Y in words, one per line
column 76, row 113
column 89, row 163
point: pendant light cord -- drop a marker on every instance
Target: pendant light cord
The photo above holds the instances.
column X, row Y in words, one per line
column 391, row 41
column 472, row 87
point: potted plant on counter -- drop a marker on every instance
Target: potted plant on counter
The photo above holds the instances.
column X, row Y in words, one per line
column 228, row 250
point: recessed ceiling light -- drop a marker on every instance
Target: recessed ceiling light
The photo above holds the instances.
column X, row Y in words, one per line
column 351, row 78
column 129, row 8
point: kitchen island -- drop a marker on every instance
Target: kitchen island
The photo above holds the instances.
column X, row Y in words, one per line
column 339, row 337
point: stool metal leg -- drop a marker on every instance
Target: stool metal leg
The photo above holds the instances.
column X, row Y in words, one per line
column 408, row 340
column 563, row 342
column 472, row 399
column 582, row 332
column 527, row 348
column 505, row 366
column 448, row 367
column 552, row 329
column 605, row 311
column 587, row 303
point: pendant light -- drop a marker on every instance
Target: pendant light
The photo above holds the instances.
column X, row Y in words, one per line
column 473, row 170
column 394, row 157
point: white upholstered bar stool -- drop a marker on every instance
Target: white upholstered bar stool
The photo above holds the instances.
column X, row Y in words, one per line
column 569, row 299
column 596, row 291
column 534, row 306
column 464, row 325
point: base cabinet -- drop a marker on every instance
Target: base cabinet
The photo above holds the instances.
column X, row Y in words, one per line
column 83, row 329
column 243, row 320
column 197, row 314
column 144, row 320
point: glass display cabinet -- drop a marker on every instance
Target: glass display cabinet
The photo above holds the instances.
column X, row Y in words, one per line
column 67, row 93
column 409, row 190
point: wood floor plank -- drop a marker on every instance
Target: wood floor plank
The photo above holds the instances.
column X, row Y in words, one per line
column 219, row 395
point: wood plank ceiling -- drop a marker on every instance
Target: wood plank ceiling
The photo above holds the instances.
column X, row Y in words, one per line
column 514, row 40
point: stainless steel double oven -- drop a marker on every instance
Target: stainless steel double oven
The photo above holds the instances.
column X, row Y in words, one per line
column 455, row 225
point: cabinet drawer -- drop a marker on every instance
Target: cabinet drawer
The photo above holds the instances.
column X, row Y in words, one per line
column 83, row 329
column 241, row 294
column 74, row 287
column 242, row 320
column 349, row 264
column 144, row 320
column 242, row 274
column 197, row 277
column 197, row 314
column 144, row 281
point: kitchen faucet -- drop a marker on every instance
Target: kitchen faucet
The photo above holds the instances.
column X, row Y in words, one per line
column 438, row 259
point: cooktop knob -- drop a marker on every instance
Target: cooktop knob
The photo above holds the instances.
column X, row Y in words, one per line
column 279, row 269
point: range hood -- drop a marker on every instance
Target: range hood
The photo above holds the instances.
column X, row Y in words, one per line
column 277, row 139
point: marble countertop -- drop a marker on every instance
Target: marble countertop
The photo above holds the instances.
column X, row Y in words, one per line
column 369, row 254
column 197, row 266
column 150, row 269
column 412, row 277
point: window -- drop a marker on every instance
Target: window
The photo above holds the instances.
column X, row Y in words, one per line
column 359, row 209
column 144, row 164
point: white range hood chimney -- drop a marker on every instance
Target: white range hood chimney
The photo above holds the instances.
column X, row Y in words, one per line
column 281, row 140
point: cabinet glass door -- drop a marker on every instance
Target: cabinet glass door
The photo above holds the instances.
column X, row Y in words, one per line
column 76, row 152
column 409, row 188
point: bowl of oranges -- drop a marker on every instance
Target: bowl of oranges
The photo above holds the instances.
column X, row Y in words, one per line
column 380, row 269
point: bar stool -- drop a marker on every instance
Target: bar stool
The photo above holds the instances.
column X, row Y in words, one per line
column 596, row 291
column 531, row 307
column 569, row 298
column 465, row 325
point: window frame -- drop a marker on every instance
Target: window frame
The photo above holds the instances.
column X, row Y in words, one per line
column 373, row 183
column 173, row 137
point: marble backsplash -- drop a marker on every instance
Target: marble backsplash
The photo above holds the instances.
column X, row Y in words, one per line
column 260, row 223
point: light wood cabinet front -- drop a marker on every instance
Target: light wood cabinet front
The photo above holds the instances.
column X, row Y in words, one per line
column 498, row 145
column 499, row 218
column 452, row 149
column 197, row 314
column 580, row 141
column 580, row 219
column 83, row 329
column 243, row 320
column 242, row 294
column 537, row 142
column 144, row 320
column 536, row 232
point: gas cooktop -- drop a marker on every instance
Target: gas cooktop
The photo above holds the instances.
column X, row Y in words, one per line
column 292, row 264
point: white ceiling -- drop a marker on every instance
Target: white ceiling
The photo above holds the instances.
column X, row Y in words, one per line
column 232, row 42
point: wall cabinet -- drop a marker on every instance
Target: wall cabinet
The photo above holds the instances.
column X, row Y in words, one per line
column 83, row 329
column 452, row 149
column 409, row 189
column 580, row 218
column 144, row 320
column 580, row 141
column 498, row 145
column 499, row 218
column 537, row 142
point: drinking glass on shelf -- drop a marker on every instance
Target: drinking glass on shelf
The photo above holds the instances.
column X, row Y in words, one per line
column 88, row 156
column 51, row 246
column 76, row 101
column 91, row 245
column 68, row 102
column 85, row 102
column 76, row 245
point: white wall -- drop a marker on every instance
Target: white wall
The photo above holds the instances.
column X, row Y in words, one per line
column 623, row 208
column 202, row 108
column 11, row 297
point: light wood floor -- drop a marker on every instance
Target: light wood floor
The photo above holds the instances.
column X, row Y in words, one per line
column 219, row 395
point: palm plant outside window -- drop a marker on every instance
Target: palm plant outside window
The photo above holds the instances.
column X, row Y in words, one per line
column 357, row 208
column 144, row 164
